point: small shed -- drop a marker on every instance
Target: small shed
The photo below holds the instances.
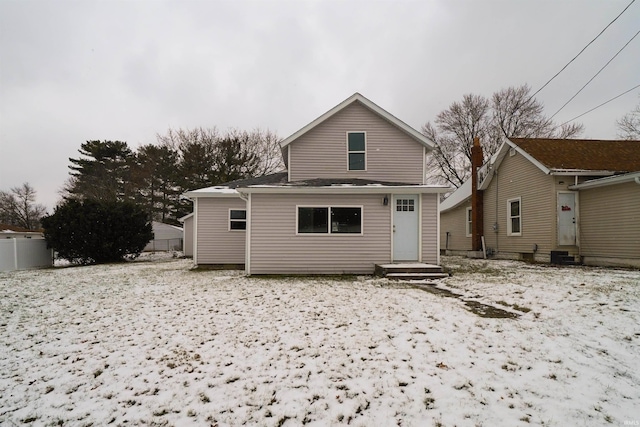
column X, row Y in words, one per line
column 22, row 249
column 187, row 224
column 166, row 237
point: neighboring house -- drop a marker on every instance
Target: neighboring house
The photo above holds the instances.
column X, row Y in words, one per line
column 544, row 198
column 166, row 237
column 23, row 249
column 353, row 196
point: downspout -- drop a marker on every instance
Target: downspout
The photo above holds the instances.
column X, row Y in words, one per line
column 495, row 224
column 247, row 249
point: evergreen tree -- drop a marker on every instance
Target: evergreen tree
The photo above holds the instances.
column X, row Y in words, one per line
column 103, row 173
column 97, row 231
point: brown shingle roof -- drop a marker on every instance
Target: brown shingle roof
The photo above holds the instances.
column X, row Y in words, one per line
column 583, row 154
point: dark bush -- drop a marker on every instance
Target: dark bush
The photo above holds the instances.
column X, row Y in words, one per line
column 93, row 231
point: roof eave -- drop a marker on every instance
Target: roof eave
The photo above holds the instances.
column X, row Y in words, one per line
column 227, row 192
column 347, row 189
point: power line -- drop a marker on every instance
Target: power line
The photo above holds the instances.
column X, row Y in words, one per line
column 595, row 108
column 583, row 49
column 596, row 75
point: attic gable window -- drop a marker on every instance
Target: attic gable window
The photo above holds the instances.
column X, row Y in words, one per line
column 356, row 151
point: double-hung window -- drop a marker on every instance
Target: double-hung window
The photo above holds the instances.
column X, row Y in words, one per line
column 329, row 220
column 357, row 151
column 237, row 219
column 514, row 217
column 469, row 222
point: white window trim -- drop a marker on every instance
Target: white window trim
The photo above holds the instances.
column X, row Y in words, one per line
column 355, row 152
column 468, row 222
column 361, row 207
column 509, row 217
column 236, row 220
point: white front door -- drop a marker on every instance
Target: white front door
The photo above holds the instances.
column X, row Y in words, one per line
column 406, row 210
column 566, row 219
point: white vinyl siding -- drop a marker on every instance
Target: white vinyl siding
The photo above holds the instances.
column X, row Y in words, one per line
column 518, row 177
column 610, row 221
column 429, row 228
column 216, row 243
column 454, row 222
column 391, row 155
column 277, row 248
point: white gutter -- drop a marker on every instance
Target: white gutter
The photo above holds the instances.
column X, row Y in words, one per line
column 349, row 189
column 611, row 180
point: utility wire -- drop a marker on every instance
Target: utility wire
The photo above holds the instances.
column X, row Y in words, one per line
column 595, row 108
column 583, row 49
column 596, row 75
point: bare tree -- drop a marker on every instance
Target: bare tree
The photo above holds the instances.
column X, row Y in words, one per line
column 511, row 112
column 629, row 124
column 266, row 144
column 453, row 134
column 18, row 207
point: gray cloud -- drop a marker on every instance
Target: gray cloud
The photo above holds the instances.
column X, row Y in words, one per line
column 71, row 71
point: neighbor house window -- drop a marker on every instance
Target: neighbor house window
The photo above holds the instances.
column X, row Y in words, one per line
column 356, row 148
column 514, row 217
column 469, row 222
column 329, row 220
column 237, row 219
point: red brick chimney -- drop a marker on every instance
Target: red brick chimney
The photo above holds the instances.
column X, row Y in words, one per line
column 477, row 202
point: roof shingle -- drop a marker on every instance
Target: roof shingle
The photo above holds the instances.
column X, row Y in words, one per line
column 583, row 154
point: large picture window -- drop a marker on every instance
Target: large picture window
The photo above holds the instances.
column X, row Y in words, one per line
column 237, row 219
column 329, row 220
column 514, row 217
column 357, row 152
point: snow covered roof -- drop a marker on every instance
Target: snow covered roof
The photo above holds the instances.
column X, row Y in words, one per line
column 458, row 197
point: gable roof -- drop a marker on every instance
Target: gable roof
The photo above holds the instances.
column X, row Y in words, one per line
column 356, row 97
column 558, row 157
column 582, row 154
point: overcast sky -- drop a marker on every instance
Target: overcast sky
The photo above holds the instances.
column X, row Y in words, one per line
column 72, row 71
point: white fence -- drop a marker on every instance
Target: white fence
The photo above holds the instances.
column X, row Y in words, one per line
column 20, row 254
column 163, row 245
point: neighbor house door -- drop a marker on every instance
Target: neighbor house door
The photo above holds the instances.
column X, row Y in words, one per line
column 406, row 224
column 567, row 219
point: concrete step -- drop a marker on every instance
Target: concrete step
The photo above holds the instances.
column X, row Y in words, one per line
column 416, row 276
column 385, row 269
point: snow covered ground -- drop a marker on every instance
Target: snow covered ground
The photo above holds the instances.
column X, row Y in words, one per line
column 154, row 342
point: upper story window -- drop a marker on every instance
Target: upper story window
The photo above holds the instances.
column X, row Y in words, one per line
column 357, row 150
column 514, row 217
column 329, row 220
column 237, row 219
